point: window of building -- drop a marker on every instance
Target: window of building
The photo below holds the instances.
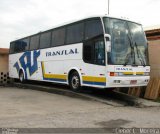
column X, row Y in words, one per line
column 45, row 40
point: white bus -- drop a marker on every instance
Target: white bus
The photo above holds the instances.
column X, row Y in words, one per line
column 98, row 51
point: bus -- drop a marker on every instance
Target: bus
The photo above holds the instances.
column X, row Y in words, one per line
column 98, row 51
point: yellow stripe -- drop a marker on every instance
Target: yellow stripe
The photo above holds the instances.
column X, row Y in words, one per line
column 43, row 67
column 64, row 76
column 128, row 73
column 131, row 73
column 140, row 73
column 94, row 79
column 55, row 76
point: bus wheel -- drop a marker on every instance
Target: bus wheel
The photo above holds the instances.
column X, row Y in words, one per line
column 21, row 76
column 74, row 82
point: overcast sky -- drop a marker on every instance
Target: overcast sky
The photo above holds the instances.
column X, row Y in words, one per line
column 20, row 18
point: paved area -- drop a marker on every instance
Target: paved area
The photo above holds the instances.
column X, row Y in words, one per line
column 30, row 109
column 112, row 98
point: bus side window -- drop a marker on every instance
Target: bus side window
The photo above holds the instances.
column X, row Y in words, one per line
column 99, row 53
column 88, row 52
column 19, row 46
column 94, row 51
column 25, row 44
column 34, row 43
column 58, row 36
column 45, row 39
column 75, row 33
column 93, row 28
column 11, row 50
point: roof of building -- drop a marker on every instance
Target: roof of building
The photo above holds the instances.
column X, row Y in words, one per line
column 149, row 28
column 4, row 50
column 153, row 32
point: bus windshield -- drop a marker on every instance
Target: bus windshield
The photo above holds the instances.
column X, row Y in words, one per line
column 128, row 43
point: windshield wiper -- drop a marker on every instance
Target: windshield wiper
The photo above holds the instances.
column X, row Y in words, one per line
column 127, row 59
column 140, row 55
column 130, row 54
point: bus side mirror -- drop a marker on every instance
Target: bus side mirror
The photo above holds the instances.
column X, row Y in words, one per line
column 108, row 42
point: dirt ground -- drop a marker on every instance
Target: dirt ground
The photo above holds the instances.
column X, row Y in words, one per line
column 25, row 108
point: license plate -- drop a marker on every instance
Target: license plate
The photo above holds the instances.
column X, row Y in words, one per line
column 133, row 82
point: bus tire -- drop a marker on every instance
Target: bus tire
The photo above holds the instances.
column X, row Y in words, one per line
column 74, row 82
column 21, row 76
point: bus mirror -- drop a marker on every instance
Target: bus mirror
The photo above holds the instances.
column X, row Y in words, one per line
column 108, row 42
column 108, row 46
column 108, row 37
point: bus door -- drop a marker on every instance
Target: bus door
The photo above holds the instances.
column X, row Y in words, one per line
column 94, row 56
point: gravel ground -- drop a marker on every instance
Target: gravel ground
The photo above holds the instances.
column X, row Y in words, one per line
column 25, row 108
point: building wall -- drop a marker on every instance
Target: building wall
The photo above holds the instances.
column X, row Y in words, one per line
column 4, row 69
column 154, row 57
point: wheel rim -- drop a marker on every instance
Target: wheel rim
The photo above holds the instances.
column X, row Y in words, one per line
column 21, row 77
column 75, row 82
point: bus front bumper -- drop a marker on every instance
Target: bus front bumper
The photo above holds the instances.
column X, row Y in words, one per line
column 127, row 81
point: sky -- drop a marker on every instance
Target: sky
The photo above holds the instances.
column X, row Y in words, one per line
column 20, row 18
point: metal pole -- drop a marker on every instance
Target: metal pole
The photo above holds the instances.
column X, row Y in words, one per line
column 108, row 7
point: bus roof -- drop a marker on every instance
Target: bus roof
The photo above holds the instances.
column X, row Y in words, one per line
column 73, row 21
column 94, row 16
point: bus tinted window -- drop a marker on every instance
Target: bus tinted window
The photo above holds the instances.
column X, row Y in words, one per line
column 19, row 46
column 11, row 50
column 75, row 33
column 45, row 40
column 99, row 52
column 94, row 51
column 58, row 37
column 25, row 44
column 93, row 28
column 34, row 43
column 88, row 52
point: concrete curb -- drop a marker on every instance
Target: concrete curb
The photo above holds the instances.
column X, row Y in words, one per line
column 135, row 101
column 127, row 99
column 66, row 92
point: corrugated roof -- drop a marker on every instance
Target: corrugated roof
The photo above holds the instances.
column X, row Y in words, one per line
column 4, row 50
column 153, row 33
column 152, row 27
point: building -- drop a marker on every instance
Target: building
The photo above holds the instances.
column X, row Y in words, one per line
column 4, row 75
column 153, row 37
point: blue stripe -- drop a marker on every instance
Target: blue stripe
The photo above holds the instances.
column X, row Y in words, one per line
column 53, row 79
column 95, row 83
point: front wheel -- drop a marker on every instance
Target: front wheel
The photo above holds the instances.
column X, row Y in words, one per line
column 74, row 82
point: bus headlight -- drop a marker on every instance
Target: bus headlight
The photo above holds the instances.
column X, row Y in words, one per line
column 120, row 74
column 114, row 74
column 146, row 73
